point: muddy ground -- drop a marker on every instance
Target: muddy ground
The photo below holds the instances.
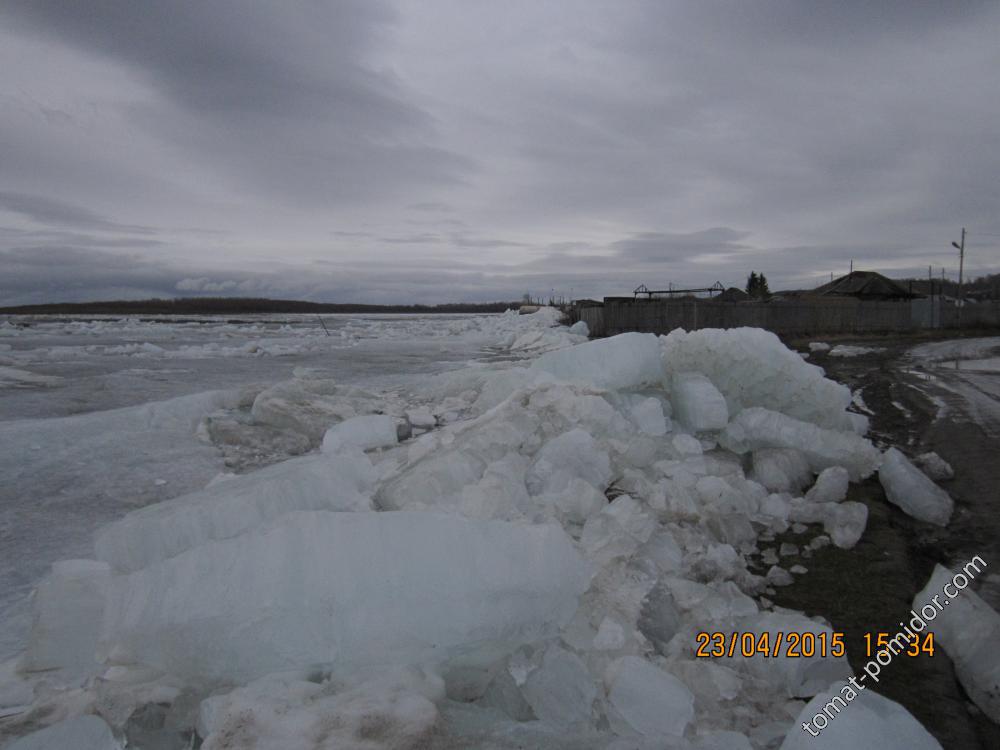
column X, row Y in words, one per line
column 871, row 588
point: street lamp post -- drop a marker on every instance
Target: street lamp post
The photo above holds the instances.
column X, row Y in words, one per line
column 961, row 267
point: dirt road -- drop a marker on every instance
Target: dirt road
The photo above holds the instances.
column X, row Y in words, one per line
column 941, row 396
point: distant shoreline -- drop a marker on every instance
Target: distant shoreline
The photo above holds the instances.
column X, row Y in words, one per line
column 242, row 306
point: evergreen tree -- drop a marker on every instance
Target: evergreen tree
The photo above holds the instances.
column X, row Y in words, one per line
column 762, row 290
column 757, row 286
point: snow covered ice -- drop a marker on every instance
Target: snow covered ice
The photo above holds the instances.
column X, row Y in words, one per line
column 910, row 489
column 514, row 548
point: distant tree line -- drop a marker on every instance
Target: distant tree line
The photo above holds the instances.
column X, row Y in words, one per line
column 242, row 306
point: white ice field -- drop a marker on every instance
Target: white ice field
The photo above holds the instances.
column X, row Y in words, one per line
column 417, row 532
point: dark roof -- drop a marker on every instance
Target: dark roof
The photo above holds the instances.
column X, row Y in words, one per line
column 865, row 285
column 732, row 294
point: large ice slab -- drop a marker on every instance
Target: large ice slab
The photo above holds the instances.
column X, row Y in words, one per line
column 234, row 506
column 910, row 489
column 868, row 722
column 969, row 630
column 628, row 360
column 756, row 428
column 346, row 589
column 751, row 367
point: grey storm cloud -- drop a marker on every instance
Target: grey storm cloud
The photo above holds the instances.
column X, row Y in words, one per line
column 430, row 151
column 48, row 211
column 279, row 95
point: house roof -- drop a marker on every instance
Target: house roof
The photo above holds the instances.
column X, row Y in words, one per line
column 865, row 285
column 732, row 294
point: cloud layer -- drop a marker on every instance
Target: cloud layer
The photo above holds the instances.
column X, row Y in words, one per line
column 363, row 150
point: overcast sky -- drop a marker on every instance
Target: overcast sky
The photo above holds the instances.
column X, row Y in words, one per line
column 447, row 150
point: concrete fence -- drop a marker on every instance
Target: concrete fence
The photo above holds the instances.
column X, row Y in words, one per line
column 593, row 316
column 796, row 316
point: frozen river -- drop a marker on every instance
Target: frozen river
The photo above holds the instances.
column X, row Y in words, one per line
column 99, row 416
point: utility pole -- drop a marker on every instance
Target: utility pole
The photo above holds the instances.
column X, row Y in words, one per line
column 930, row 292
column 961, row 265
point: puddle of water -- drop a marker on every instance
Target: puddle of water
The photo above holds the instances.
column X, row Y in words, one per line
column 974, row 365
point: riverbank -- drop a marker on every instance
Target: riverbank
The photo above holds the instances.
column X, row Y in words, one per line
column 871, row 587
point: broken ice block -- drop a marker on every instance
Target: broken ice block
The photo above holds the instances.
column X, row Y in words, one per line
column 698, row 405
column 909, row 488
column 868, row 722
column 647, row 699
column 830, row 487
column 366, row 432
column 781, row 469
column 969, row 630
column 560, row 691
